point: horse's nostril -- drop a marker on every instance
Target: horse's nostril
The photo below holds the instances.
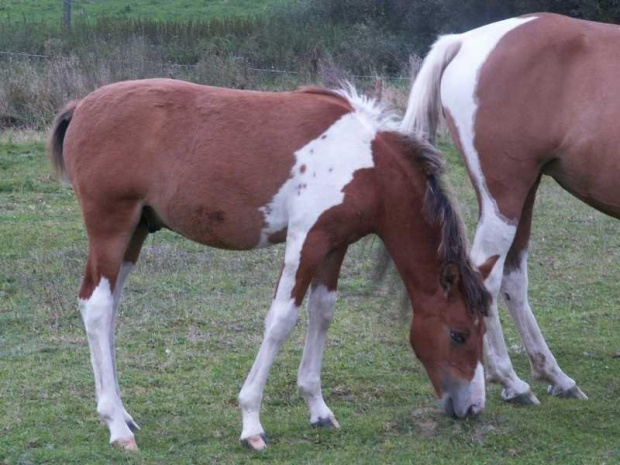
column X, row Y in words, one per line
column 449, row 408
column 473, row 410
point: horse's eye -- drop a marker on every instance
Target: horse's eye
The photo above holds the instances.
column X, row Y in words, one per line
column 457, row 337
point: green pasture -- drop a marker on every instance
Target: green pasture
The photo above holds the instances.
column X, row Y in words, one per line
column 191, row 324
column 51, row 10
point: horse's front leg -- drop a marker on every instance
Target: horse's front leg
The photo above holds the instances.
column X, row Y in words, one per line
column 281, row 318
column 321, row 304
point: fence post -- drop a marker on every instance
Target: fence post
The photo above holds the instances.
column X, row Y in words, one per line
column 66, row 14
column 378, row 89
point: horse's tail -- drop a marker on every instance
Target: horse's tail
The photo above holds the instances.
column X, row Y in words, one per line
column 56, row 141
column 422, row 116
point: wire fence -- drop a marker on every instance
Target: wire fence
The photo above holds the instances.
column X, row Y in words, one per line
column 282, row 72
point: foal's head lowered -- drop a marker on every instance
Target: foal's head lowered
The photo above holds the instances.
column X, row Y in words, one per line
column 448, row 295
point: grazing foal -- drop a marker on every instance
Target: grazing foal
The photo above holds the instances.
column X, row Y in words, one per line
column 525, row 97
column 240, row 170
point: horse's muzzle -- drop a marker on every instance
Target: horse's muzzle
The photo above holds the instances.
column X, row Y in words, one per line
column 464, row 399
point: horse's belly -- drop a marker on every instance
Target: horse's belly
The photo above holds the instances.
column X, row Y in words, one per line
column 228, row 225
column 591, row 177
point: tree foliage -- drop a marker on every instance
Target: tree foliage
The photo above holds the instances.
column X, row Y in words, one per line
column 422, row 20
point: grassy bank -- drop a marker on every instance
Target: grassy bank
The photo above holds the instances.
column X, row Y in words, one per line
column 191, row 323
column 51, row 10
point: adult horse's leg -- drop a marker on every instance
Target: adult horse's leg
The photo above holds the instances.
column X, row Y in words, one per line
column 321, row 305
column 495, row 236
column 281, row 318
column 111, row 249
column 498, row 367
column 514, row 291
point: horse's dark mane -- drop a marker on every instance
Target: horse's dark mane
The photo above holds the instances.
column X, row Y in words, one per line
column 439, row 208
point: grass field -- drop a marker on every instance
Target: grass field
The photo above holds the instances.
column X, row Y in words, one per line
column 191, row 323
column 51, row 10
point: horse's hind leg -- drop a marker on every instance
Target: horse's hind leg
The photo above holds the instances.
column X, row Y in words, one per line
column 129, row 260
column 495, row 236
column 113, row 242
column 321, row 303
column 514, row 291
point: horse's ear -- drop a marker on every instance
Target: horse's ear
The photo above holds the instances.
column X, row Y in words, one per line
column 449, row 277
column 486, row 268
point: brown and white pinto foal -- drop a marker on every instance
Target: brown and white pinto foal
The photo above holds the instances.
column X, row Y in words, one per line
column 527, row 96
column 240, row 170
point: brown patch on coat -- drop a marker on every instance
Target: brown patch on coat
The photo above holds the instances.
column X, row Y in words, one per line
column 336, row 228
column 277, row 237
column 548, row 101
column 522, row 236
column 130, row 169
column 190, row 183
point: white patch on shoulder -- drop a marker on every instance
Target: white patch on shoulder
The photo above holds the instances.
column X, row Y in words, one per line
column 458, row 94
column 322, row 169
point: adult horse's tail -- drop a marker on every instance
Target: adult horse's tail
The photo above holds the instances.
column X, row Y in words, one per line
column 422, row 114
column 56, row 141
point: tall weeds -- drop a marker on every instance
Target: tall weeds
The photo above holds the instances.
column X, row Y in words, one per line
column 237, row 52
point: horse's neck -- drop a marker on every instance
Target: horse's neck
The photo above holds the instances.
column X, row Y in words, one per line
column 411, row 241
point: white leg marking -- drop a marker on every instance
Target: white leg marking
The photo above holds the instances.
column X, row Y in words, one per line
column 499, row 366
column 543, row 363
column 494, row 237
column 97, row 313
column 279, row 322
column 494, row 234
column 321, row 304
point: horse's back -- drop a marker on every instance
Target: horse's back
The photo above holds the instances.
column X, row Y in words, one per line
column 205, row 159
column 546, row 94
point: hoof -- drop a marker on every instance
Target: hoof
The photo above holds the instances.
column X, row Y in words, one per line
column 133, row 426
column 572, row 393
column 527, row 398
column 127, row 444
column 327, row 423
column 257, row 442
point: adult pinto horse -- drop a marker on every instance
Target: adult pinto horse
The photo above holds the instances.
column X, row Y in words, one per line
column 525, row 97
column 240, row 170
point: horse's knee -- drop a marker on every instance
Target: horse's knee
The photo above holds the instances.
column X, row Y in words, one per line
column 280, row 321
column 321, row 306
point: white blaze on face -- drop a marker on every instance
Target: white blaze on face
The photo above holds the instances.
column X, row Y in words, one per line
column 322, row 170
column 478, row 391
